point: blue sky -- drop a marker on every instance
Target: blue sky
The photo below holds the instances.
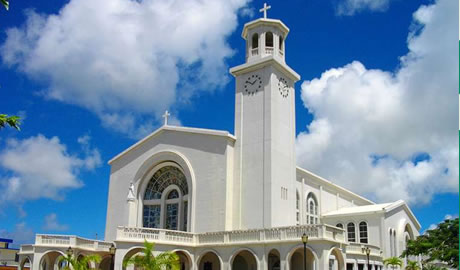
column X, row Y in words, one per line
column 375, row 107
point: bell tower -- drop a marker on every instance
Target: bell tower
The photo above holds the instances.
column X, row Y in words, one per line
column 265, row 165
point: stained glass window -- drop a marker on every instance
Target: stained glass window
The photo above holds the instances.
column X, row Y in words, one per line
column 185, row 216
column 171, row 216
column 152, row 216
column 168, row 217
column 161, row 179
column 173, row 194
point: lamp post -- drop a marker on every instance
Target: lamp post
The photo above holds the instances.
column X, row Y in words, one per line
column 112, row 250
column 69, row 253
column 304, row 241
column 367, row 251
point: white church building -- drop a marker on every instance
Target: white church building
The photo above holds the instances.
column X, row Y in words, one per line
column 237, row 201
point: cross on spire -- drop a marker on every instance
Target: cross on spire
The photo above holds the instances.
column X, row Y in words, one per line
column 264, row 10
column 165, row 116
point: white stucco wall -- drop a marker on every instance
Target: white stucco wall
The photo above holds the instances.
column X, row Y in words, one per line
column 209, row 167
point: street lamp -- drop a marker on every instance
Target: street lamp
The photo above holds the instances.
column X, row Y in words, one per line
column 69, row 253
column 304, row 241
column 112, row 250
column 367, row 251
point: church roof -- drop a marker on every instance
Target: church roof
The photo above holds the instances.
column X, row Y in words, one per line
column 202, row 131
column 366, row 209
column 330, row 184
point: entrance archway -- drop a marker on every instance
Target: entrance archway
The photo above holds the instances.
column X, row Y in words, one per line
column 244, row 260
column 184, row 260
column 50, row 260
column 296, row 259
column 25, row 264
column 209, row 261
column 131, row 253
column 105, row 263
column 336, row 260
column 274, row 262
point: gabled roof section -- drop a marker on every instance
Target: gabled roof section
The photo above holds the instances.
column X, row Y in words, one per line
column 359, row 210
column 201, row 131
column 329, row 184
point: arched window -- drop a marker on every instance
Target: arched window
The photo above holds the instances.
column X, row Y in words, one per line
column 255, row 41
column 391, row 242
column 166, row 200
column 312, row 209
column 394, row 243
column 351, row 232
column 297, row 207
column 363, row 232
column 269, row 39
column 281, row 43
column 339, row 225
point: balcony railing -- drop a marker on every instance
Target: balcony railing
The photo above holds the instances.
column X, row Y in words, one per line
column 269, row 50
column 282, row 234
column 66, row 241
column 254, row 51
column 357, row 248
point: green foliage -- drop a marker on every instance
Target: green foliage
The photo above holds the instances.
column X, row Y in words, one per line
column 146, row 261
column 439, row 244
column 393, row 262
column 412, row 265
column 12, row 121
column 81, row 264
column 430, row 266
column 5, row 4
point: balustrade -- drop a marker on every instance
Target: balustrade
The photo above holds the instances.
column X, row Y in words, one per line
column 68, row 241
column 357, row 248
column 268, row 50
column 281, row 234
column 292, row 233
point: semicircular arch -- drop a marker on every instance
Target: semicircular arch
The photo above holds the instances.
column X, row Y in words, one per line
column 156, row 161
column 339, row 257
column 204, row 253
column 294, row 249
column 239, row 251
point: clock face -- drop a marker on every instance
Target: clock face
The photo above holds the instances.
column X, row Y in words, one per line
column 283, row 87
column 253, row 84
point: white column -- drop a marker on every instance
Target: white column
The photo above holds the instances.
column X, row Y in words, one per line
column 131, row 213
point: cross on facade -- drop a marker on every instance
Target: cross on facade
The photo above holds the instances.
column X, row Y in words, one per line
column 264, row 10
column 165, row 116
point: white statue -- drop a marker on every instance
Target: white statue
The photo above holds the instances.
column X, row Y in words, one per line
column 131, row 197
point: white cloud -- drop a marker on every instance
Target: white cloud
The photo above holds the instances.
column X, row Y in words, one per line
column 247, row 12
column 127, row 61
column 351, row 7
column 52, row 224
column 446, row 217
column 369, row 125
column 39, row 167
column 21, row 234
